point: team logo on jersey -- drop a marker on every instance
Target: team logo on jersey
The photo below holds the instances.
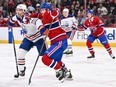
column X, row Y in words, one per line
column 66, row 24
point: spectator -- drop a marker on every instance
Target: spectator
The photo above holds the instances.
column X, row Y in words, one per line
column 102, row 10
column 5, row 8
column 95, row 10
column 107, row 5
column 113, row 17
column 3, row 22
column 1, row 8
column 92, row 4
column 37, row 7
column 28, row 3
column 81, row 16
column 114, row 11
column 88, row 7
column 72, row 8
column 77, row 6
column 99, row 1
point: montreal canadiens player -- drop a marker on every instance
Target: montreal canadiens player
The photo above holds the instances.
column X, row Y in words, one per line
column 96, row 26
column 32, row 27
column 68, row 22
column 58, row 38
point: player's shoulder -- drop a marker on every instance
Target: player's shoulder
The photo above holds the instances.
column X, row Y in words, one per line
column 14, row 18
column 86, row 21
column 54, row 12
column 35, row 19
column 70, row 15
column 96, row 17
column 39, row 16
column 62, row 17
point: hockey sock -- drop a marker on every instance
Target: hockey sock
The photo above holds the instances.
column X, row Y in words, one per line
column 21, row 64
column 21, row 59
column 50, row 62
column 70, row 48
column 108, row 48
column 69, row 45
column 90, row 48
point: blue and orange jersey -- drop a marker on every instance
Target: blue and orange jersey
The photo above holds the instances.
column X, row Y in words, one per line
column 35, row 32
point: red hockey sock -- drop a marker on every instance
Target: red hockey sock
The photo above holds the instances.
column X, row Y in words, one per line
column 89, row 45
column 108, row 48
column 50, row 62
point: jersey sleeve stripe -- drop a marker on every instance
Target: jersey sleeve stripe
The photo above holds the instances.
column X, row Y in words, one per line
column 84, row 26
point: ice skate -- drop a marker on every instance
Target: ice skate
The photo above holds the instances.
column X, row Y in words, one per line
column 68, row 52
column 113, row 57
column 63, row 74
column 21, row 74
column 92, row 56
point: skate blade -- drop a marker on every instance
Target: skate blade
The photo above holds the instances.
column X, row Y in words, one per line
column 66, row 79
column 19, row 78
column 68, row 55
column 69, row 79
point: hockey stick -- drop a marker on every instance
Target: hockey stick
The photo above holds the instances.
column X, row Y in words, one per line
column 40, row 53
column 13, row 41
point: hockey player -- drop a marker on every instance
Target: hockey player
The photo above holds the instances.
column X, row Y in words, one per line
column 32, row 27
column 68, row 22
column 58, row 39
column 96, row 26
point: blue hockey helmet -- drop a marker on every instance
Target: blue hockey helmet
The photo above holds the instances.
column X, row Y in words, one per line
column 46, row 6
column 90, row 11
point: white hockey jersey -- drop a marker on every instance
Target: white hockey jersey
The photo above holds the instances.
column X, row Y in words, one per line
column 69, row 22
column 32, row 27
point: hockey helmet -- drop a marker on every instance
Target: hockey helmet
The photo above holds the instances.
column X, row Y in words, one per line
column 91, row 12
column 31, row 9
column 22, row 6
column 46, row 6
column 65, row 10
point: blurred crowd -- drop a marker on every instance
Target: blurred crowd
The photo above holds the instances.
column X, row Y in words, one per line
column 106, row 9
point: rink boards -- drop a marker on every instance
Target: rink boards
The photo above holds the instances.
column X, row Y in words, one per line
column 78, row 40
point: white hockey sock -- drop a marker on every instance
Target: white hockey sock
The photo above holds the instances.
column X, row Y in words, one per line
column 21, row 59
column 69, row 45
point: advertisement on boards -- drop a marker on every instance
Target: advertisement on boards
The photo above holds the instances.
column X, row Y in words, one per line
column 80, row 36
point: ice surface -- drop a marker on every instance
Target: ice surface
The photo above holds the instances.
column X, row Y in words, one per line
column 98, row 72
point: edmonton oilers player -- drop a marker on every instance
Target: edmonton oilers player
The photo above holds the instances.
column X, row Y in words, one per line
column 32, row 27
column 68, row 22
column 58, row 38
column 96, row 26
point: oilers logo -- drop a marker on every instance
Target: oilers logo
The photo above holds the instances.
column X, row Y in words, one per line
column 23, row 31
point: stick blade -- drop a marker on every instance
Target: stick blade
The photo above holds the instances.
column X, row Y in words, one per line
column 29, row 82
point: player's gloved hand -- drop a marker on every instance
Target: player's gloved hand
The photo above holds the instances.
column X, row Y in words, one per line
column 74, row 27
column 93, row 29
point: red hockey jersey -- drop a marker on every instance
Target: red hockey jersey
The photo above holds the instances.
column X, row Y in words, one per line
column 95, row 26
column 56, row 33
